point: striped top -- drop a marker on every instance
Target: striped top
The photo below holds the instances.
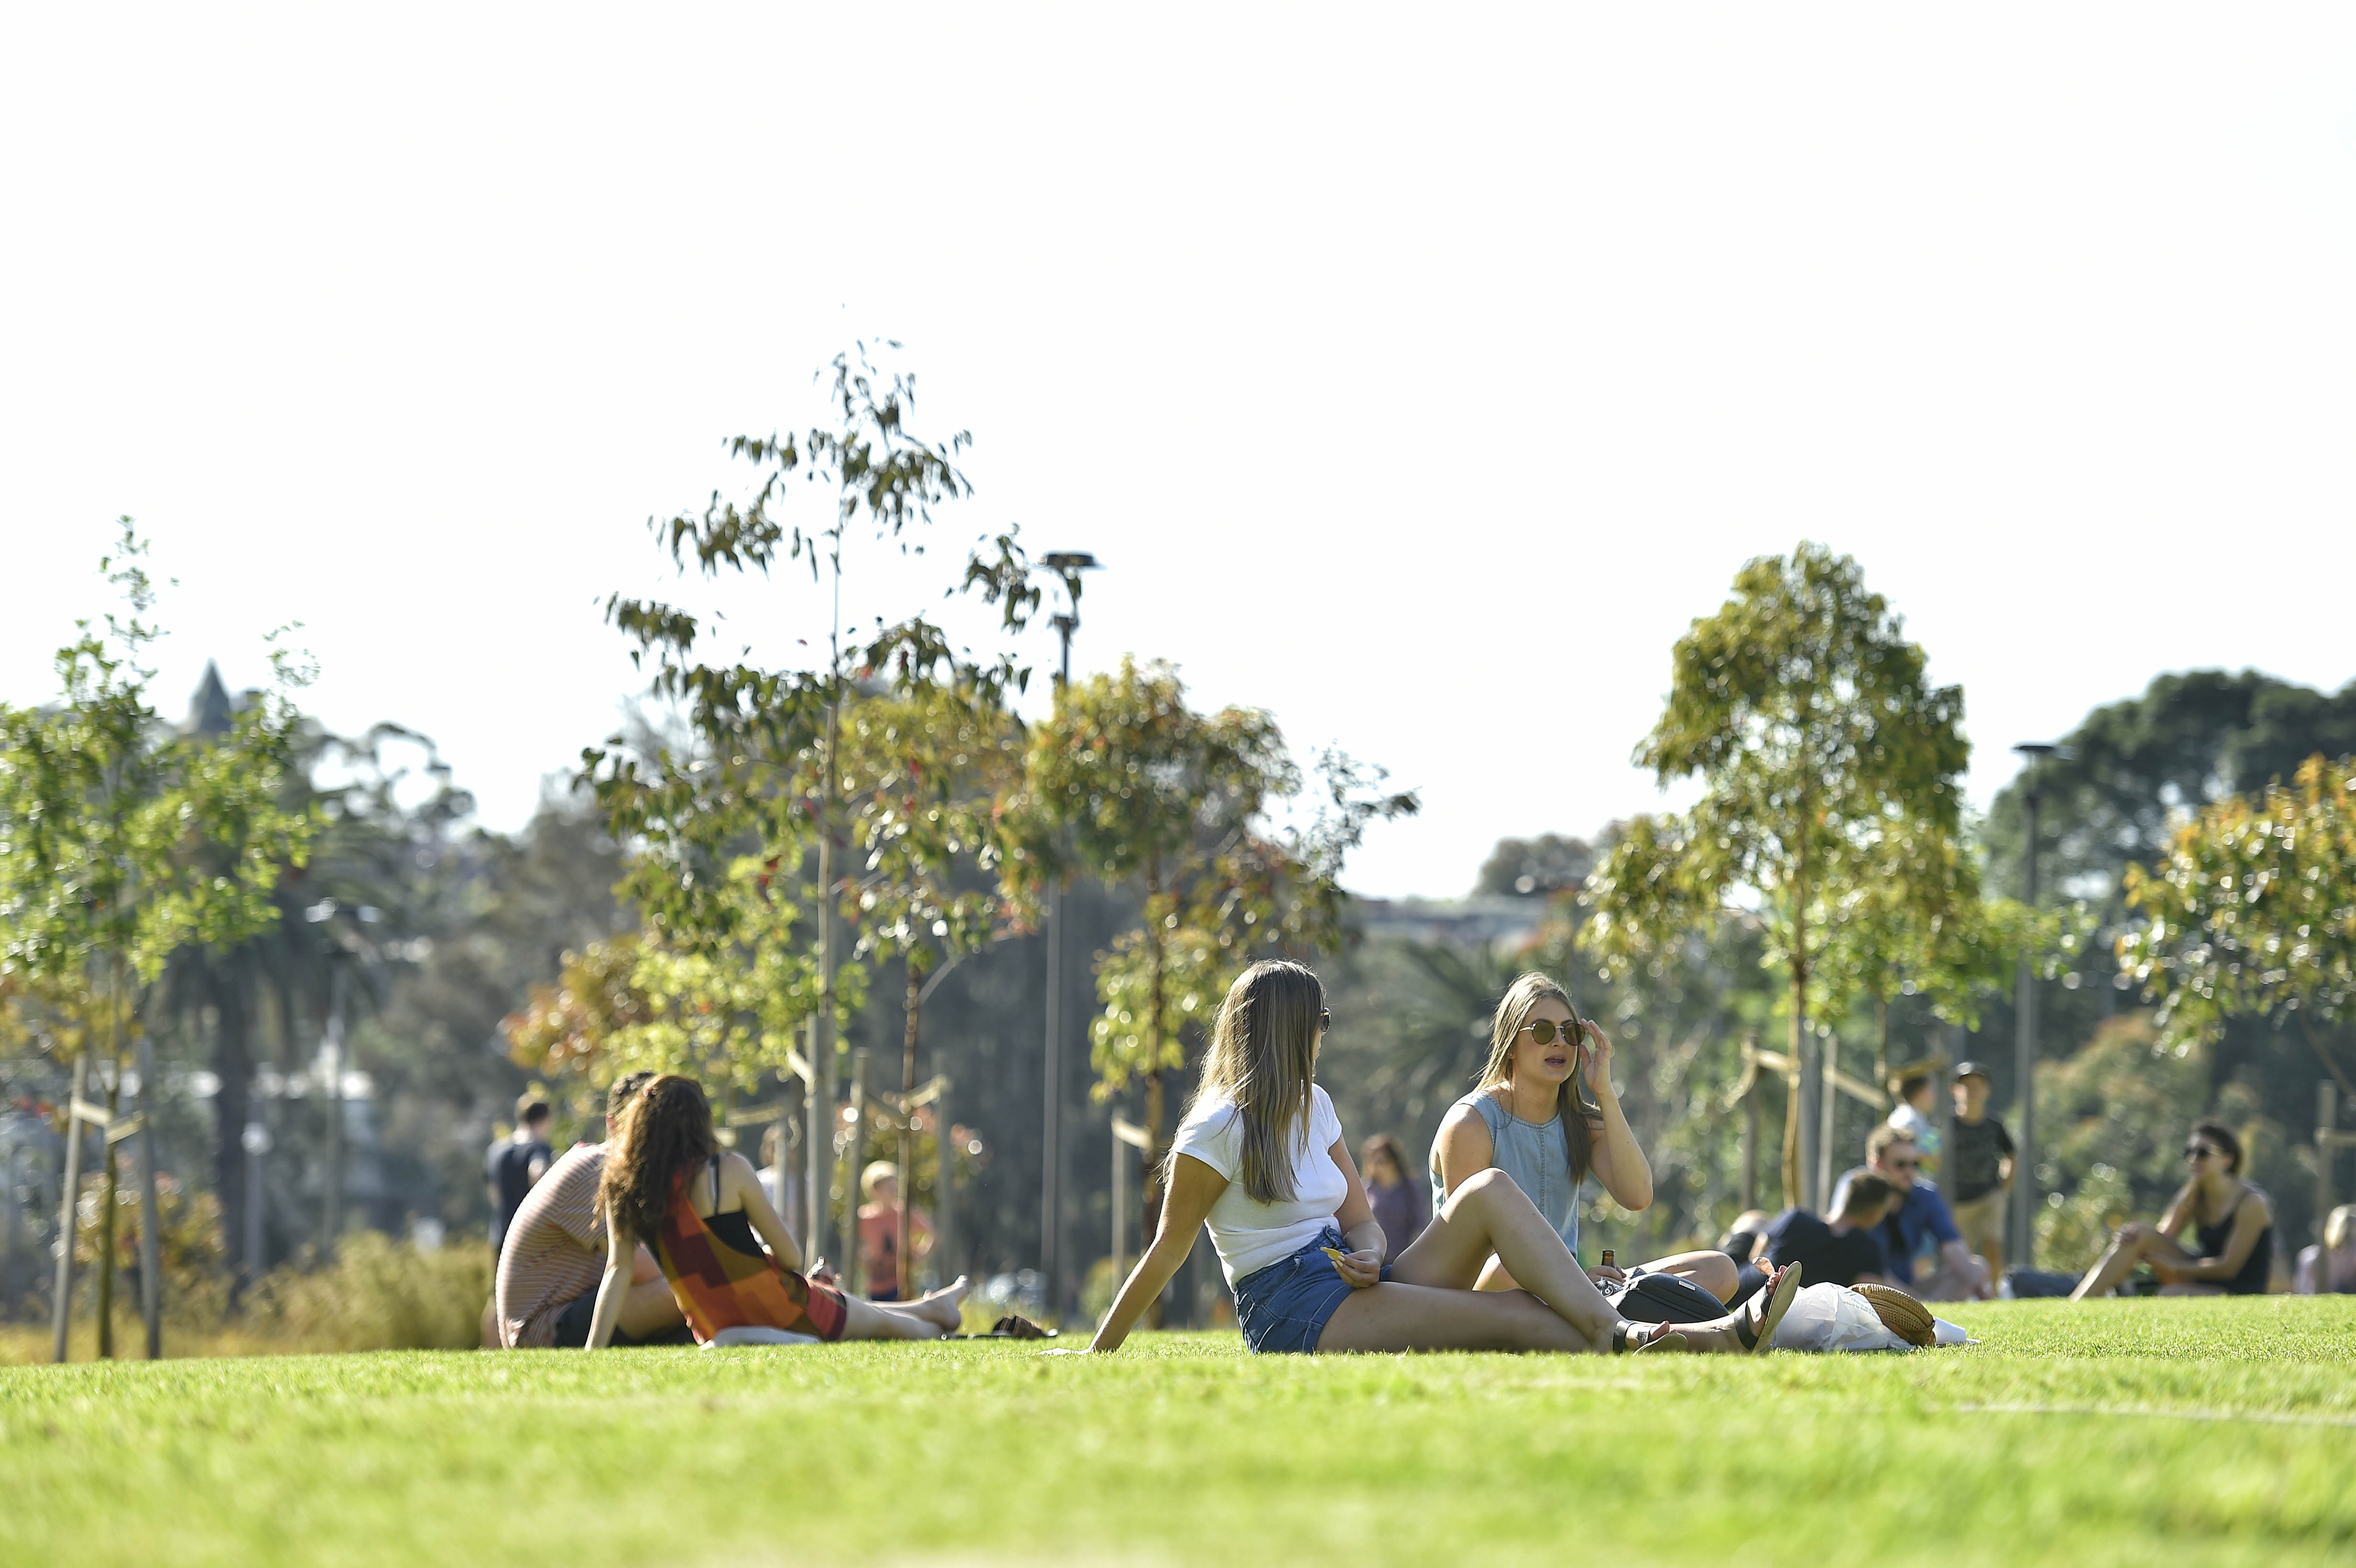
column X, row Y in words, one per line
column 555, row 1248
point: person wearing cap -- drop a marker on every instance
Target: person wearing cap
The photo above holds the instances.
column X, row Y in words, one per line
column 1979, row 1168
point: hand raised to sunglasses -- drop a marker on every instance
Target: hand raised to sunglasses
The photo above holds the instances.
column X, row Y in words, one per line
column 1598, row 1069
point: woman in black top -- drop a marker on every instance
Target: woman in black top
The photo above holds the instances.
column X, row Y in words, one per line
column 2231, row 1221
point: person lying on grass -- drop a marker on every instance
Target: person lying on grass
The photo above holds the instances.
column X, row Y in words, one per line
column 1543, row 1112
column 2233, row 1221
column 668, row 1183
column 1260, row 1161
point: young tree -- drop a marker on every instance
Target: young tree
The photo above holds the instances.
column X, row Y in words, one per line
column 2254, row 912
column 725, row 815
column 1822, row 747
column 1142, row 786
column 926, row 771
column 122, row 841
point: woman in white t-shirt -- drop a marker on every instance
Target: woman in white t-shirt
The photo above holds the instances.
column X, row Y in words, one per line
column 1260, row 1161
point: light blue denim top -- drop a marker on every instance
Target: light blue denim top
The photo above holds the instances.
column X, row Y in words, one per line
column 1533, row 1154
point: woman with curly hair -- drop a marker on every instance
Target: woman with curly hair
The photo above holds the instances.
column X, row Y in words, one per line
column 666, row 1183
column 1259, row 1160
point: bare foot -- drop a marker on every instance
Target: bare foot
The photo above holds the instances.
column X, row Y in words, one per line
column 942, row 1306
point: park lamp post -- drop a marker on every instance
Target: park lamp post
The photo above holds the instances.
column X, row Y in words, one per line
column 1066, row 565
column 2024, row 1160
column 256, row 1141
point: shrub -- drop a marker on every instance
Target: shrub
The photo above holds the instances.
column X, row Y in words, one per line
column 378, row 1294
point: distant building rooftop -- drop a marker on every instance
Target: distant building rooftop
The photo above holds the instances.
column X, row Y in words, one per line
column 1483, row 920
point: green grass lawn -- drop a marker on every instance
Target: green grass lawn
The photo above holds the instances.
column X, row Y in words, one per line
column 2207, row 1431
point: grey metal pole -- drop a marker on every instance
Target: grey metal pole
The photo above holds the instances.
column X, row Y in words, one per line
column 2326, row 1146
column 331, row 1063
column 255, row 1140
column 1828, row 1112
column 1944, row 1103
column 822, row 1031
column 1051, row 1141
column 2024, row 1168
column 151, row 1276
column 945, row 1267
column 61, row 1304
column 1751, row 1148
column 847, row 1269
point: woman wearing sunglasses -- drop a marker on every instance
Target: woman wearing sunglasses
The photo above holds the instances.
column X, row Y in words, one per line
column 1260, row 1161
column 1544, row 1112
column 2232, row 1223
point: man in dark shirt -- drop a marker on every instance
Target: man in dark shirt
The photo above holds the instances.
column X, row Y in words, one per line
column 514, row 1163
column 1841, row 1253
column 1979, row 1168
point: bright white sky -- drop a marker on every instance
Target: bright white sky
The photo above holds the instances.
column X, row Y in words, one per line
column 1419, row 374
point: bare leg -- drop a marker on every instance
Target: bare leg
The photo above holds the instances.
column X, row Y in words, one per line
column 943, row 1307
column 1488, row 1214
column 1423, row 1318
column 1714, row 1272
column 2135, row 1242
column 649, row 1309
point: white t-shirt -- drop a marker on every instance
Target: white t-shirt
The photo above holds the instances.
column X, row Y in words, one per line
column 1919, row 1128
column 1251, row 1235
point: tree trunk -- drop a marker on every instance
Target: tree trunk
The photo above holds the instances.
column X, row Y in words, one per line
column 905, row 1257
column 107, row 1189
column 1151, row 1186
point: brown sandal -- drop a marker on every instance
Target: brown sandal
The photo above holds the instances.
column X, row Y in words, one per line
column 1774, row 1300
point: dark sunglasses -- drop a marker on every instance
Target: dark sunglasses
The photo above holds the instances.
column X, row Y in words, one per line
column 1545, row 1031
column 1904, row 1164
column 1324, row 1020
column 2198, row 1151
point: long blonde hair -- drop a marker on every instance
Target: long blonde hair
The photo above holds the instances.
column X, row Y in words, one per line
column 1263, row 1058
column 1571, row 1101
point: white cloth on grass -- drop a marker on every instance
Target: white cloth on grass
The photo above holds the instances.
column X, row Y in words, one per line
column 1250, row 1236
column 758, row 1334
column 1835, row 1318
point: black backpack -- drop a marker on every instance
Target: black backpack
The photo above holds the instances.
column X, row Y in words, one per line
column 1663, row 1298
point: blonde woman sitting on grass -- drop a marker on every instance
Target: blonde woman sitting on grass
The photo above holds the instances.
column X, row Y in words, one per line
column 1545, row 1113
column 1259, row 1160
column 666, row 1183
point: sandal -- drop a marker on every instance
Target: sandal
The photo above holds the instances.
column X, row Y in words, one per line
column 1774, row 1300
column 1653, row 1337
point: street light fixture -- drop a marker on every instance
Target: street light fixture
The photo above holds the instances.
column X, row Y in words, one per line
column 2024, row 1160
column 1066, row 565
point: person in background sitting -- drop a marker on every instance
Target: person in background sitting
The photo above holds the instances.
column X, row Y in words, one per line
column 2231, row 1221
column 1400, row 1206
column 515, row 1164
column 1920, row 1218
column 2330, row 1269
column 879, row 1233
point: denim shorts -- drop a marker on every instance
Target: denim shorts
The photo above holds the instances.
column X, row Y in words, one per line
column 1283, row 1308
